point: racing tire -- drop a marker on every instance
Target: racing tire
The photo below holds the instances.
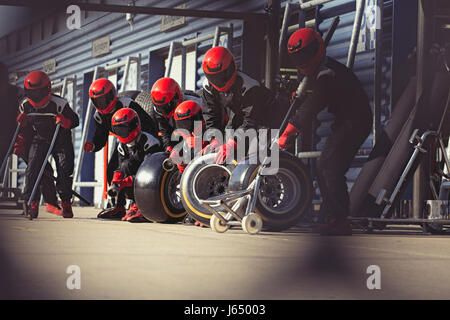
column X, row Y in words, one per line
column 203, row 179
column 283, row 198
column 156, row 191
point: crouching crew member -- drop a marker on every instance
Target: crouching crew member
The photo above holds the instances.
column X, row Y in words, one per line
column 40, row 100
column 134, row 146
column 166, row 95
column 337, row 87
column 190, row 125
column 103, row 95
column 250, row 105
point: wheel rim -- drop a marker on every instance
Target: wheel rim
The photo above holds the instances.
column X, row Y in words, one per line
column 279, row 193
column 173, row 189
column 210, row 181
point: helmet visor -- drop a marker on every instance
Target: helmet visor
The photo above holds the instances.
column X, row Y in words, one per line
column 302, row 57
column 166, row 109
column 102, row 102
column 37, row 95
column 220, row 79
column 124, row 129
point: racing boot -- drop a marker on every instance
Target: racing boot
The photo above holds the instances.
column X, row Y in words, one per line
column 131, row 212
column 335, row 227
column 54, row 209
column 137, row 216
column 67, row 209
column 32, row 211
column 114, row 213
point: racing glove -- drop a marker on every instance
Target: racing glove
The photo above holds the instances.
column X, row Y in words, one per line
column 120, row 181
column 224, row 151
column 65, row 122
column 210, row 147
column 19, row 146
column 88, row 146
column 288, row 137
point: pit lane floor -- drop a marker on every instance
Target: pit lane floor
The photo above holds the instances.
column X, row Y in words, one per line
column 121, row 260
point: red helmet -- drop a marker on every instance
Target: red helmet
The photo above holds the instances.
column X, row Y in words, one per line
column 38, row 88
column 219, row 68
column 186, row 113
column 125, row 125
column 103, row 95
column 306, row 49
column 166, row 95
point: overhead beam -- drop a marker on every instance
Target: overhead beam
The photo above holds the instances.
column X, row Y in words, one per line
column 137, row 9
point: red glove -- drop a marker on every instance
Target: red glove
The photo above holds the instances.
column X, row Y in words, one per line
column 118, row 175
column 65, row 122
column 169, row 149
column 286, row 139
column 224, row 151
column 120, row 181
column 22, row 119
column 181, row 167
column 210, row 147
column 88, row 146
column 19, row 146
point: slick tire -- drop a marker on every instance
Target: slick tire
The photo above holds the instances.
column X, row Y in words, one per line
column 156, row 191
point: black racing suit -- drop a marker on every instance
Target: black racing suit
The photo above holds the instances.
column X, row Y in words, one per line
column 47, row 186
column 43, row 129
column 166, row 126
column 10, row 104
column 103, row 128
column 337, row 87
column 250, row 106
column 130, row 158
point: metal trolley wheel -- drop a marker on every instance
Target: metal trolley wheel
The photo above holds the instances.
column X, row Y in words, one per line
column 217, row 225
column 203, row 179
column 252, row 223
column 284, row 197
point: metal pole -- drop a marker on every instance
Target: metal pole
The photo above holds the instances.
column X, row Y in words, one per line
column 183, row 68
column 422, row 47
column 10, row 148
column 284, row 29
column 138, row 73
column 86, row 124
column 312, row 4
column 216, row 37
column 102, row 7
column 360, row 4
column 125, row 74
column 378, row 72
column 230, row 37
column 38, row 180
column 169, row 59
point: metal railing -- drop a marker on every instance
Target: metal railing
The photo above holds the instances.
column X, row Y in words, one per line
column 183, row 45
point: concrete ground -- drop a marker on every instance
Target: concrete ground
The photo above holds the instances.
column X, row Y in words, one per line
column 121, row 260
